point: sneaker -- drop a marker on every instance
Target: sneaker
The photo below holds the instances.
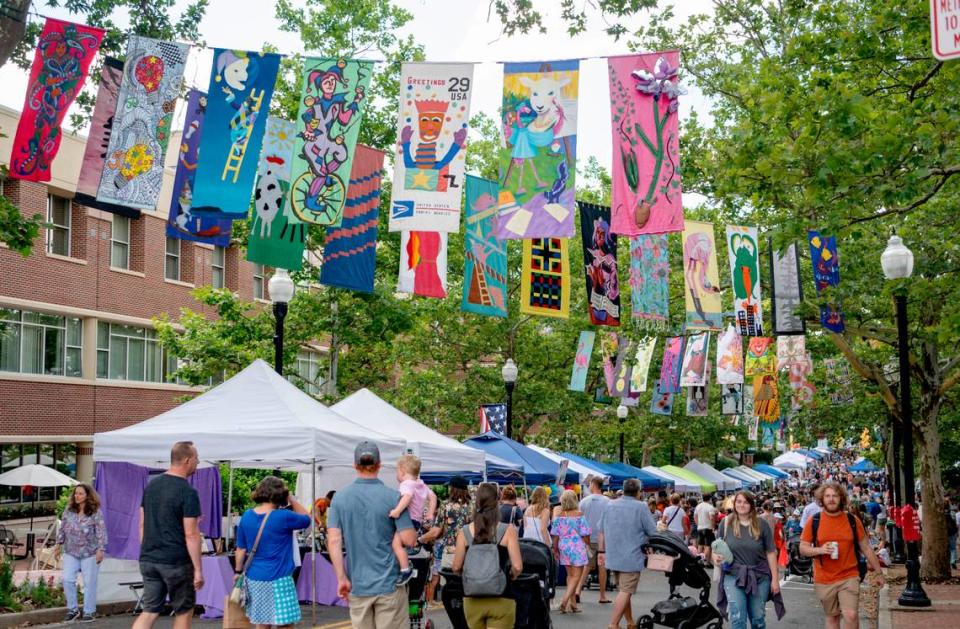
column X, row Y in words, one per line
column 88, row 618
column 405, row 576
column 72, row 614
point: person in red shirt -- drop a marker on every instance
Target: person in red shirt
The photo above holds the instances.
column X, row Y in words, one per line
column 835, row 574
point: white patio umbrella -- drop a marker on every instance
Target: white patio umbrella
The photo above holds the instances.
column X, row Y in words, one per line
column 35, row 476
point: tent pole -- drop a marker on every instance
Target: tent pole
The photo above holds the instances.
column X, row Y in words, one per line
column 226, row 547
column 313, row 543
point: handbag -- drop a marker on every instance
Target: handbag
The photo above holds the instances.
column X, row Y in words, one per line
column 238, row 595
column 662, row 563
column 234, row 615
column 665, row 526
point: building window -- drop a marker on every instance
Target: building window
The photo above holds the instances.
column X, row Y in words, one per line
column 33, row 342
column 120, row 242
column 60, row 456
column 219, row 266
column 258, row 281
column 172, row 266
column 129, row 353
column 308, row 372
column 58, row 233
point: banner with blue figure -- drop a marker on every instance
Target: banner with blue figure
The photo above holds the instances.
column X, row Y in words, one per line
column 484, row 255
column 826, row 272
column 238, row 100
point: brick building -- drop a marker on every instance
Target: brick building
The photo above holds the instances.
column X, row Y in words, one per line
column 77, row 347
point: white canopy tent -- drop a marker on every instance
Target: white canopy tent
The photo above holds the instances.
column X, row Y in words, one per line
column 791, row 461
column 573, row 466
column 721, row 480
column 680, row 485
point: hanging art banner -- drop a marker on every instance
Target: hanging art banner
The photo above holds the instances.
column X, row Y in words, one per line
column 786, row 291
column 790, row 350
column 600, row 261
column 98, row 141
column 802, row 390
column 701, row 278
column 276, row 236
column 698, row 397
column 431, row 150
column 748, row 402
column 768, row 432
column 838, row 377
column 332, row 104
column 181, row 221
column 761, row 358
column 423, row 264
column 350, row 251
column 693, row 373
column 730, row 357
column 650, row 279
column 484, row 255
column 622, row 370
column 644, row 92
column 662, row 402
column 545, row 278
column 581, row 362
column 609, row 350
column 671, row 365
column 753, row 425
column 826, row 272
column 64, row 53
column 766, row 397
column 744, row 254
column 238, row 101
column 538, row 161
column 133, row 171
column 731, row 399
column 641, row 365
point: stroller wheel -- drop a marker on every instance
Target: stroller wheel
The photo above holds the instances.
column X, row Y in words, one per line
column 645, row 622
column 428, row 625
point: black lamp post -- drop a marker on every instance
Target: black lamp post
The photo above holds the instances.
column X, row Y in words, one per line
column 509, row 373
column 281, row 290
column 622, row 412
column 891, row 372
column 897, row 263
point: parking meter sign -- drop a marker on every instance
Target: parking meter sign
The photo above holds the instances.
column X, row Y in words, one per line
column 945, row 28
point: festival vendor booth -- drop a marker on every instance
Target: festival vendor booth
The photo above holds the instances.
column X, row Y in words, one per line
column 617, row 477
column 257, row 419
column 812, row 454
column 579, row 467
column 537, row 469
column 863, row 465
column 772, row 471
column 721, row 480
column 676, row 483
column 649, row 481
column 747, row 481
column 791, row 461
column 765, row 480
column 703, row 485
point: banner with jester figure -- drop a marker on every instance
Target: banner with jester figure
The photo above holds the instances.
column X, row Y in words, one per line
column 786, row 293
column 744, row 254
column 133, row 172
column 238, row 101
column 826, row 272
column 761, row 357
column 538, row 163
column 644, row 92
column 98, row 140
column 671, row 365
column 698, row 397
column 431, row 147
column 333, row 102
column 423, row 264
column 701, row 277
column 64, row 53
column 662, row 401
column 600, row 261
column 484, row 255
column 650, row 279
column 581, row 362
column 545, row 278
column 181, row 221
column 641, row 366
column 730, row 357
column 693, row 373
column 350, row 251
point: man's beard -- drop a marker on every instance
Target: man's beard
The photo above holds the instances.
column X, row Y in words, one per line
column 832, row 510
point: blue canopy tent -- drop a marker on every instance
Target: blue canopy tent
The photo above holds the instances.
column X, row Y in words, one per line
column 498, row 470
column 770, row 470
column 616, row 476
column 813, row 454
column 648, row 481
column 863, row 465
column 748, row 482
column 537, row 469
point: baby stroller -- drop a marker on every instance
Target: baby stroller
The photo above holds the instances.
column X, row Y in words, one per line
column 533, row 589
column 798, row 564
column 681, row 612
column 416, row 596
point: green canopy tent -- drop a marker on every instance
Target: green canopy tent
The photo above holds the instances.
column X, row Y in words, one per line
column 705, row 486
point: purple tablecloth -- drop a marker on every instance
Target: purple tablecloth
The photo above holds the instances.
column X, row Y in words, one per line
column 217, row 583
column 326, row 590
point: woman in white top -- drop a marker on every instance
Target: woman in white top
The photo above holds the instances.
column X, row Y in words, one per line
column 675, row 519
column 536, row 519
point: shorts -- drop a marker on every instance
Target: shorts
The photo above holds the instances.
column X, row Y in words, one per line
column 161, row 580
column 382, row 610
column 592, row 557
column 705, row 537
column 627, row 582
column 838, row 596
column 493, row 612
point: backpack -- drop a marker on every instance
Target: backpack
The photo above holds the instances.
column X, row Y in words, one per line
column 482, row 573
column 861, row 560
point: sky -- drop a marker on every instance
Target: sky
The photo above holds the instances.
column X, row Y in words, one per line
column 450, row 30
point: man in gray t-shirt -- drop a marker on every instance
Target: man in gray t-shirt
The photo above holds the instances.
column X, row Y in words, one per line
column 359, row 517
column 592, row 508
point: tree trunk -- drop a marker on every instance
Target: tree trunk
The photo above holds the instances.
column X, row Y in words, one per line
column 936, row 556
column 13, row 25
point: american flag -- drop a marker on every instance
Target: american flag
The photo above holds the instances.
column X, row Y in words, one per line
column 493, row 417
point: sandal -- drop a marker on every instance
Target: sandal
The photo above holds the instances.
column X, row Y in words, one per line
column 573, row 609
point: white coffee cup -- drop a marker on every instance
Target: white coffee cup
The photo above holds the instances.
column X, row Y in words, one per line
column 834, row 550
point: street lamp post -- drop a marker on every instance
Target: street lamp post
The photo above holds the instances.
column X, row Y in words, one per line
column 622, row 411
column 897, row 263
column 891, row 372
column 509, row 373
column 281, row 290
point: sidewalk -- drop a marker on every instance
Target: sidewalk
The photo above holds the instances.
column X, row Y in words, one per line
column 945, row 611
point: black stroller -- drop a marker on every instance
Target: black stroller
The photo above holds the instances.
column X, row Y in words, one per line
column 416, row 599
column 533, row 589
column 681, row 612
column 798, row 564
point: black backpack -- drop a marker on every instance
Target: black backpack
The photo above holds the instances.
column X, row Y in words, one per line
column 861, row 560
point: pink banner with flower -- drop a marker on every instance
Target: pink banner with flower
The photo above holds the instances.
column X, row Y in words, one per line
column 644, row 93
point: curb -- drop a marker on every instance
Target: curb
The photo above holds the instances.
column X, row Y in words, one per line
column 884, row 613
column 55, row 615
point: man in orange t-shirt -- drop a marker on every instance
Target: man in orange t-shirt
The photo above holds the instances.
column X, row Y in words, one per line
column 837, row 581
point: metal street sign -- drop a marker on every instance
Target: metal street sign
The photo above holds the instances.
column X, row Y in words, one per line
column 945, row 28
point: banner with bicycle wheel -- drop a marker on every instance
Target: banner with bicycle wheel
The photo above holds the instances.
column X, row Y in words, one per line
column 333, row 100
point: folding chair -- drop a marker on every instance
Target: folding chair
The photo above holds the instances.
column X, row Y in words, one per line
column 137, row 588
